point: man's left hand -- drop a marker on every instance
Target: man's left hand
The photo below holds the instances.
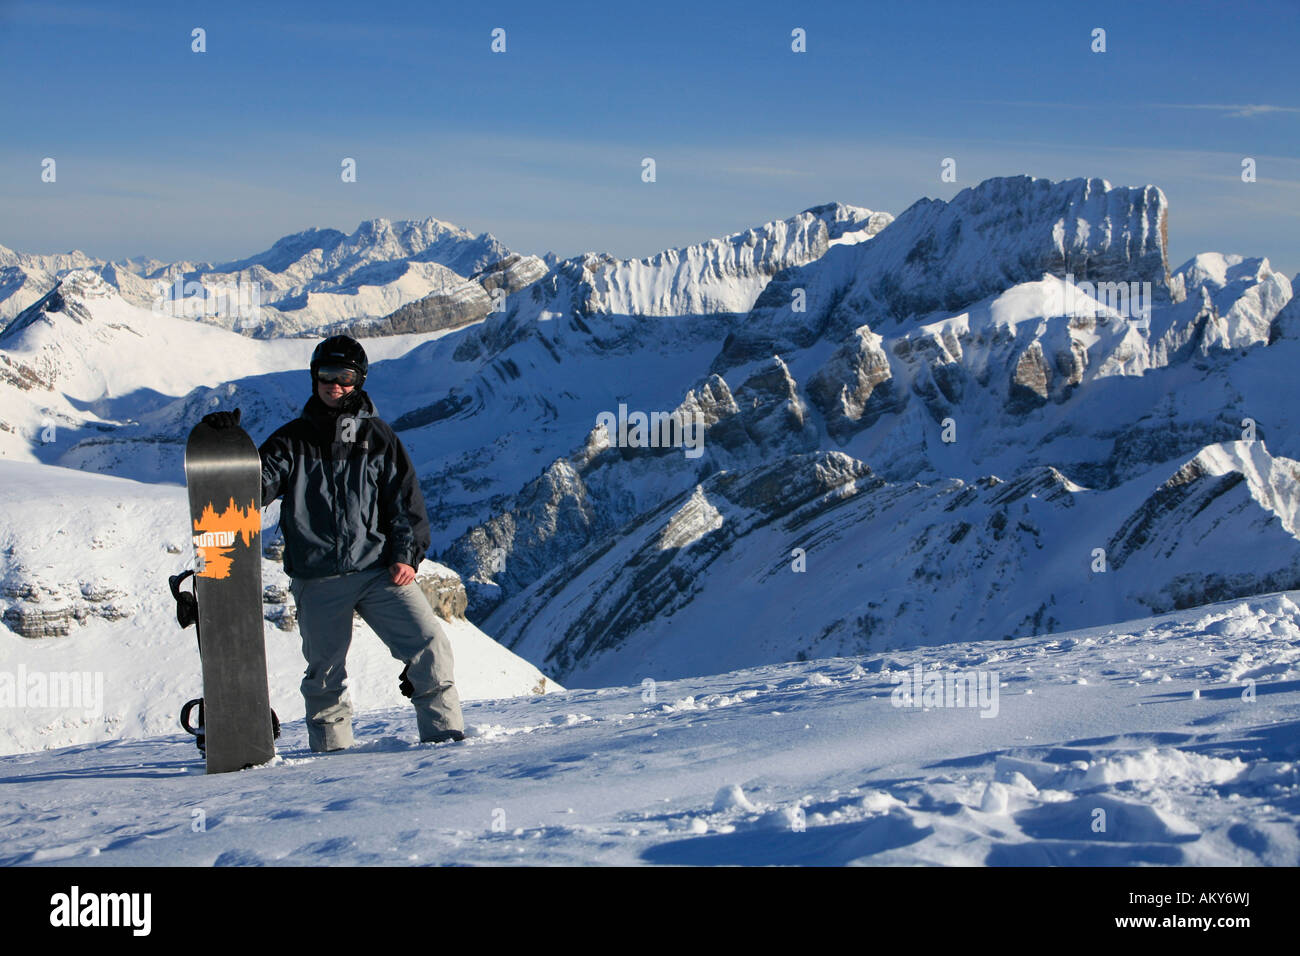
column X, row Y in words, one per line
column 402, row 573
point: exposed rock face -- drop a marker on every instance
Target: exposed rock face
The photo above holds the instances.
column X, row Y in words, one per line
column 552, row 516
column 511, row 273
column 283, row 616
column 443, row 588
column 844, row 221
column 1198, row 485
column 425, row 275
column 276, row 606
column 27, row 620
column 465, row 303
column 855, row 387
column 587, row 496
column 1044, row 482
column 451, row 308
column 1029, row 383
column 658, row 565
column 1223, row 485
column 1004, row 360
column 769, row 418
column 999, row 368
column 37, row 609
column 1016, row 229
column 710, row 401
column 41, row 609
column 23, row 376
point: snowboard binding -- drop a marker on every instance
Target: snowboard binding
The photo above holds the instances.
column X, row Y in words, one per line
column 187, row 605
column 197, row 729
column 187, row 613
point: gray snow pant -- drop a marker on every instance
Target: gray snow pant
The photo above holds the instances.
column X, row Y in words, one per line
column 404, row 621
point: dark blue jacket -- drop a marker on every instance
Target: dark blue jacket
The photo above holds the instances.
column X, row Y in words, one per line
column 352, row 501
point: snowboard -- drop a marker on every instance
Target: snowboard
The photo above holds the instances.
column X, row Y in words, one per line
column 223, row 473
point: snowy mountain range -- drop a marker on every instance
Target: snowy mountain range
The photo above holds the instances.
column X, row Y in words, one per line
column 998, row 416
column 935, row 445
column 410, row 275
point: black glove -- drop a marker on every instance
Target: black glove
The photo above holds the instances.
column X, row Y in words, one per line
column 222, row 419
column 404, row 684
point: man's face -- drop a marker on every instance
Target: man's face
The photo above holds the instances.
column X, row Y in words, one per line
column 333, row 383
column 331, row 393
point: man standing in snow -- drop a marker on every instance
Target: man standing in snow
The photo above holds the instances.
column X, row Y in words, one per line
column 355, row 529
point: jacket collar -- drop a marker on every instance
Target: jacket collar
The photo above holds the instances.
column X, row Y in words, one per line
column 325, row 419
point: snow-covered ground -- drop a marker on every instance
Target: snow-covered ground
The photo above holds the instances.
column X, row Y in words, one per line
column 1168, row 740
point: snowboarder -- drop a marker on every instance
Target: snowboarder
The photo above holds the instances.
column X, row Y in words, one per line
column 355, row 529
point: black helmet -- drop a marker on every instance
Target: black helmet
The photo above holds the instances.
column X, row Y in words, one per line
column 340, row 350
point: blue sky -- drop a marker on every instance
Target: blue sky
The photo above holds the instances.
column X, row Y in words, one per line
column 165, row 152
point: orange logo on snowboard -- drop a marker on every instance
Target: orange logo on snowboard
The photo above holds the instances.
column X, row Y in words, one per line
column 215, row 536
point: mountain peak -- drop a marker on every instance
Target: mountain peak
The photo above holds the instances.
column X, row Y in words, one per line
column 71, row 295
column 942, row 256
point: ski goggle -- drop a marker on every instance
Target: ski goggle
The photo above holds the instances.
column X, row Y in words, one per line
column 341, row 374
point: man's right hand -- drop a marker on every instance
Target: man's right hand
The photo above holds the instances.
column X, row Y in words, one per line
column 222, row 419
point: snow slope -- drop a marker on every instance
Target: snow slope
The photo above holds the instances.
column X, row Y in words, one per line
column 1166, row 741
